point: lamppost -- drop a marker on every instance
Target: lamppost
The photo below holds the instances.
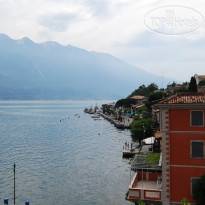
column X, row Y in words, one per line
column 143, row 131
column 14, row 170
column 6, row 199
column 141, row 140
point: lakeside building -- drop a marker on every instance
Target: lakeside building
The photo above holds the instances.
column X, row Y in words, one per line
column 199, row 78
column 201, row 89
column 200, row 81
column 183, row 145
column 134, row 108
column 182, row 134
column 173, row 87
column 139, row 99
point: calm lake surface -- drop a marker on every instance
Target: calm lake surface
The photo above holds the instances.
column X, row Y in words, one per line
column 76, row 161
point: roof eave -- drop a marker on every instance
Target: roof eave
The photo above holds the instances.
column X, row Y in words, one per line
column 182, row 105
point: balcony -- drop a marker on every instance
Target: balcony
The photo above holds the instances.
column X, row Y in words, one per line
column 146, row 186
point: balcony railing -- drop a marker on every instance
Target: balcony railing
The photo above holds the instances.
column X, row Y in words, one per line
column 146, row 186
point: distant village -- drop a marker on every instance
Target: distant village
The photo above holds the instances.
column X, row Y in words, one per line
column 168, row 148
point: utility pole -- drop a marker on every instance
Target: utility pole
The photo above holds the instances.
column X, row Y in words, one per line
column 14, row 170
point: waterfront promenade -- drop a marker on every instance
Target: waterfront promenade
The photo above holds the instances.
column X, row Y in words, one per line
column 124, row 124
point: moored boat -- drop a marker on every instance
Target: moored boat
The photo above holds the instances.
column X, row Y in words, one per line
column 95, row 116
column 86, row 110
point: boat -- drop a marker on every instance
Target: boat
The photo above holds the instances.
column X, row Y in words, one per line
column 86, row 110
column 95, row 116
column 91, row 111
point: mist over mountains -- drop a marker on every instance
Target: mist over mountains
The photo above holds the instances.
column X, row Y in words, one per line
column 51, row 71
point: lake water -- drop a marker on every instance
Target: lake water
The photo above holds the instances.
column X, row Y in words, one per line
column 76, row 161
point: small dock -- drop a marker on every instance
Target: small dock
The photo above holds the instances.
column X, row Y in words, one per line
column 130, row 149
column 129, row 153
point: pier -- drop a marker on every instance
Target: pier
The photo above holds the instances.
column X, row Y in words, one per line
column 129, row 153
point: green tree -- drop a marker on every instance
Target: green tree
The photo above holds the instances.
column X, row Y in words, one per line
column 181, row 89
column 192, row 85
column 152, row 87
column 141, row 129
column 199, row 192
column 173, row 84
column 145, row 91
column 155, row 96
column 126, row 103
column 140, row 91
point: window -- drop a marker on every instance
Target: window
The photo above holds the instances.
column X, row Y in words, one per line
column 197, row 149
column 194, row 184
column 197, row 118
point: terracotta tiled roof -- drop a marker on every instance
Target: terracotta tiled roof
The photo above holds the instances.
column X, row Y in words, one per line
column 138, row 106
column 185, row 98
column 138, row 97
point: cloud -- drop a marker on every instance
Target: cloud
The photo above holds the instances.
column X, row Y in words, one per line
column 98, row 8
column 57, row 22
column 169, row 47
column 178, row 57
column 111, row 26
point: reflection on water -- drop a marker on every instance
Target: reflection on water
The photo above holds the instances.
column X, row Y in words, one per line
column 75, row 161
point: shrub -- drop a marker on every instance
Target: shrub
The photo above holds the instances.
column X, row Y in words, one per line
column 153, row 158
column 141, row 129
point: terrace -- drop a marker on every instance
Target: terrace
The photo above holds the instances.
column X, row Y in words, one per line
column 146, row 186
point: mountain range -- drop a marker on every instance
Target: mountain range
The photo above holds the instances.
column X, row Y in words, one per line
column 30, row 70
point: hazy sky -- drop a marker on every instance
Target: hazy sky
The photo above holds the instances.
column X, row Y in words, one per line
column 116, row 27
